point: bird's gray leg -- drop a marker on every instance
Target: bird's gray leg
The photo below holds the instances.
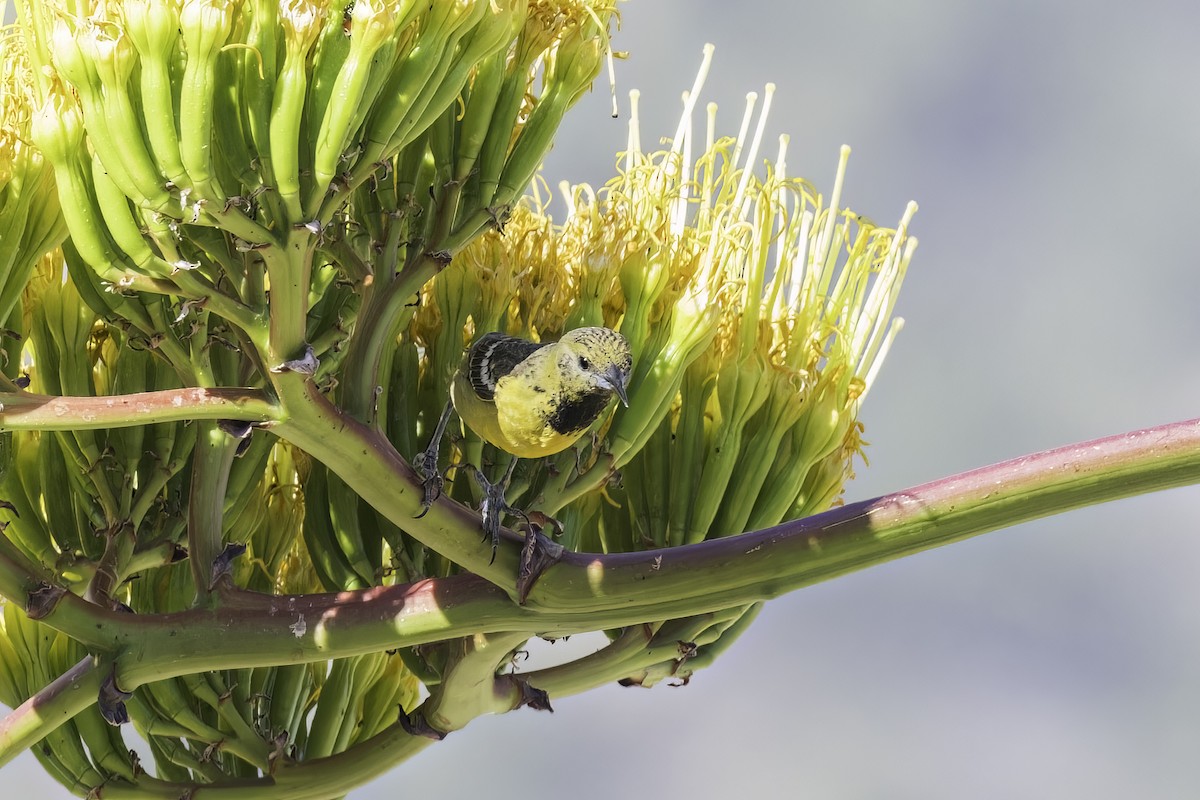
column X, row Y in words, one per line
column 494, row 505
column 426, row 464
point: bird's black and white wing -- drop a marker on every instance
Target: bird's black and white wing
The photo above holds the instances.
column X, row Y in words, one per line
column 493, row 356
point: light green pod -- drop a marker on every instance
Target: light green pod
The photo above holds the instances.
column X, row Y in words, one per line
column 205, row 26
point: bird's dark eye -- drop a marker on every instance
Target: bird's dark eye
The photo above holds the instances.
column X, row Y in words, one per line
column 584, row 364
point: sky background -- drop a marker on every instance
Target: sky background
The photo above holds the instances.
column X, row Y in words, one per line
column 1054, row 152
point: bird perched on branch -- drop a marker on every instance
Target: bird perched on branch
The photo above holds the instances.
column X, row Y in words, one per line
column 530, row 400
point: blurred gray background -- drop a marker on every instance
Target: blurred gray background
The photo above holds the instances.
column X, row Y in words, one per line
column 1054, row 150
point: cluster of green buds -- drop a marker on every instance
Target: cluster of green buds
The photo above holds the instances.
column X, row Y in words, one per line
column 230, row 153
column 254, row 192
column 758, row 312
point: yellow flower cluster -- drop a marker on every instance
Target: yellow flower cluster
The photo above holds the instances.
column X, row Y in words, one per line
column 758, row 311
column 30, row 221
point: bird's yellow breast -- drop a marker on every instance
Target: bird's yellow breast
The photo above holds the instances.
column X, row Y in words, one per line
column 518, row 421
column 524, row 410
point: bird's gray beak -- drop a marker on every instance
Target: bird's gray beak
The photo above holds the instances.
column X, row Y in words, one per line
column 613, row 378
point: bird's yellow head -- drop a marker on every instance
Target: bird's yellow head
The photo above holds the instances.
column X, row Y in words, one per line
column 596, row 357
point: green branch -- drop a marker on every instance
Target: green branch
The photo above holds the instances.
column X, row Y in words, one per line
column 27, row 411
column 588, row 591
column 383, row 308
column 720, row 573
column 471, row 686
column 368, row 463
column 644, row 654
column 69, row 694
column 211, row 460
column 289, row 268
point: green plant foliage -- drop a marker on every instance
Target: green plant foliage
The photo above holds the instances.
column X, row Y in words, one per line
column 244, row 245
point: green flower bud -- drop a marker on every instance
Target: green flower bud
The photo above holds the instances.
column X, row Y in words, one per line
column 57, row 127
column 70, row 60
column 153, row 28
column 371, row 25
column 205, row 26
column 113, row 58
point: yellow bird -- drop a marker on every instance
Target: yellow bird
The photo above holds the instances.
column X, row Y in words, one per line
column 534, row 400
column 530, row 400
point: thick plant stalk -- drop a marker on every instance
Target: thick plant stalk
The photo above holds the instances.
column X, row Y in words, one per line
column 28, row 411
column 631, row 588
column 59, row 701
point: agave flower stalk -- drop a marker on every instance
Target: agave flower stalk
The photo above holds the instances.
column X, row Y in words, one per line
column 287, row 219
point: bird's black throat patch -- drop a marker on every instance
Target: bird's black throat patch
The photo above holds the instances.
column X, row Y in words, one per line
column 575, row 413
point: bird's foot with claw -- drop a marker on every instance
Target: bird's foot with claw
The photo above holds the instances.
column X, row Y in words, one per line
column 432, row 481
column 539, row 552
column 426, row 464
column 494, row 506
